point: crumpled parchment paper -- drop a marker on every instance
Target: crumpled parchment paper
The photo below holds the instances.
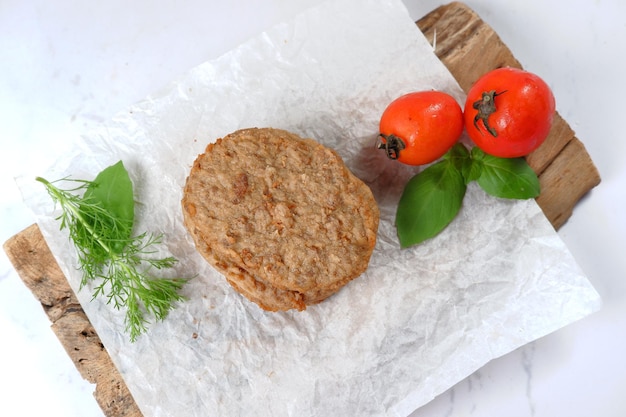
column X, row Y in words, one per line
column 417, row 322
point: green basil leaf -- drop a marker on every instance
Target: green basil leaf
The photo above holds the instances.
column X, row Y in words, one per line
column 473, row 170
column 429, row 202
column 478, row 154
column 112, row 190
column 471, row 166
column 460, row 157
column 458, row 154
column 507, row 177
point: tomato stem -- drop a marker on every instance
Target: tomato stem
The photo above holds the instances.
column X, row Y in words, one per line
column 486, row 106
column 391, row 144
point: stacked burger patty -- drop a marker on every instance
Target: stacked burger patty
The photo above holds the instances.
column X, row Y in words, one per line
column 281, row 217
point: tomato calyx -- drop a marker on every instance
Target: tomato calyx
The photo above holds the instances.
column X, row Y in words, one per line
column 391, row 144
column 486, row 106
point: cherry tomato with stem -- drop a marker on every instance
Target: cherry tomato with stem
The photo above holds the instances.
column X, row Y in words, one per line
column 508, row 112
column 420, row 127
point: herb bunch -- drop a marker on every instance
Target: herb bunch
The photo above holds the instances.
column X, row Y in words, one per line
column 100, row 225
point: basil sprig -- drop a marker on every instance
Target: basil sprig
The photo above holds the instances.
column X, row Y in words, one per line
column 434, row 196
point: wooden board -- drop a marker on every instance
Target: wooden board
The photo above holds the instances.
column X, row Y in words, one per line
column 468, row 47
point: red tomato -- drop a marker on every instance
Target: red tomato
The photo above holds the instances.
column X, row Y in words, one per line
column 508, row 112
column 420, row 127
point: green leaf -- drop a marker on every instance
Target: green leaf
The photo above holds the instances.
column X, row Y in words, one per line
column 468, row 164
column 460, row 157
column 429, row 202
column 475, row 166
column 506, row 177
column 112, row 190
column 458, row 154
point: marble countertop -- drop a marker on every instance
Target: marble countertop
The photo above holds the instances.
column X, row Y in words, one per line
column 67, row 65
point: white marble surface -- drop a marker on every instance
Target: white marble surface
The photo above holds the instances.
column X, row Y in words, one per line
column 68, row 64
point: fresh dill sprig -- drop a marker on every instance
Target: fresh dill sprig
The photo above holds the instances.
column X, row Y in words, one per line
column 100, row 227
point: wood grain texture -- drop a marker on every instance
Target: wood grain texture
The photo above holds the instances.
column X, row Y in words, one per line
column 35, row 264
column 468, row 47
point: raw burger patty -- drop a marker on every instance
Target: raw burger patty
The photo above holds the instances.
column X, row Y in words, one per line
column 281, row 217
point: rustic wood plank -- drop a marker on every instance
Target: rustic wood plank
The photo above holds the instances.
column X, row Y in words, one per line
column 35, row 264
column 464, row 43
column 565, row 181
column 560, row 135
column 468, row 47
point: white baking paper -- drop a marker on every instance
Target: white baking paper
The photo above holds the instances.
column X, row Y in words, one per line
column 417, row 322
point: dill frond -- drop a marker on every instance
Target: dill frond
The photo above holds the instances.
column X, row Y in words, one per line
column 120, row 262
